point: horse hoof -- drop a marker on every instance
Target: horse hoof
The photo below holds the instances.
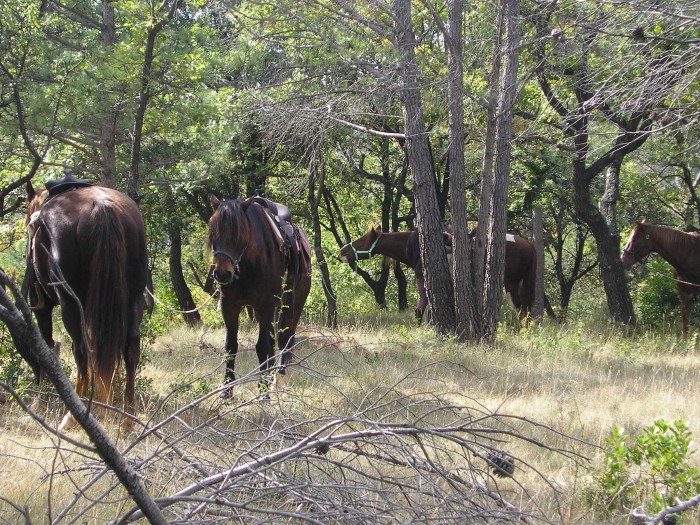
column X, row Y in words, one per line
column 67, row 423
column 280, row 380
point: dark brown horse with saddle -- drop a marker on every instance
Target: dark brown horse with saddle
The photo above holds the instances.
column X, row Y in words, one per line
column 263, row 260
column 521, row 263
column 680, row 249
column 87, row 254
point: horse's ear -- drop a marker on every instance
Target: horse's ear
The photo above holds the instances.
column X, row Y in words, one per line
column 31, row 192
column 643, row 221
column 215, row 202
column 377, row 229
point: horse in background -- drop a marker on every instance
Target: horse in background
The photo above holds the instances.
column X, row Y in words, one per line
column 87, row 254
column 520, row 264
column 680, row 249
column 260, row 259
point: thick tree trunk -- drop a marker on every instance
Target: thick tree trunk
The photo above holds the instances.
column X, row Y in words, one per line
column 479, row 250
column 467, row 313
column 432, row 250
column 495, row 249
column 611, row 271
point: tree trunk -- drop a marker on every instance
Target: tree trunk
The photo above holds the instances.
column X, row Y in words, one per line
column 436, row 272
column 538, row 239
column 399, row 274
column 108, row 122
column 177, row 278
column 467, row 313
column 479, row 250
column 314, row 198
column 145, row 95
column 611, row 271
column 495, row 249
column 608, row 202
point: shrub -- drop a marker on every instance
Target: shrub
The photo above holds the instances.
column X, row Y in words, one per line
column 652, row 472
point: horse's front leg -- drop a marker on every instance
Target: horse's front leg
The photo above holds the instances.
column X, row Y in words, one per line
column 230, row 313
column 265, row 347
column 684, row 298
column 44, row 320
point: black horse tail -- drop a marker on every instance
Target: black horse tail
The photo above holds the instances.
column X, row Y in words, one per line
column 527, row 286
column 107, row 294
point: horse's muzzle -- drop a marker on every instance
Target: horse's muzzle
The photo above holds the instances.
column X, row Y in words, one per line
column 224, row 277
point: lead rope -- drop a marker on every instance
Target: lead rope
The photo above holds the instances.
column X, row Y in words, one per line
column 169, row 308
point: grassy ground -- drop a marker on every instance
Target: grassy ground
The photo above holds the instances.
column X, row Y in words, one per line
column 553, row 393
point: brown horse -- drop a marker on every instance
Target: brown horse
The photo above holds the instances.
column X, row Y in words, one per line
column 520, row 267
column 87, row 254
column 262, row 260
column 680, row 249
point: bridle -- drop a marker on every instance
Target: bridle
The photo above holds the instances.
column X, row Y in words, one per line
column 357, row 252
column 234, row 261
column 633, row 253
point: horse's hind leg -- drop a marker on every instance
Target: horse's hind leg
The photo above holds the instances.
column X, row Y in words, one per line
column 132, row 354
column 513, row 291
column 71, row 313
column 684, row 298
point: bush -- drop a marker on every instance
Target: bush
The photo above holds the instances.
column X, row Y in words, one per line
column 656, row 298
column 652, row 472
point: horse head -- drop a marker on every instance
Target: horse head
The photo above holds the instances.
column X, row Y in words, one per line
column 638, row 246
column 226, row 242
column 361, row 248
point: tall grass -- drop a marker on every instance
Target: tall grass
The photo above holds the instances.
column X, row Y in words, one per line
column 550, row 394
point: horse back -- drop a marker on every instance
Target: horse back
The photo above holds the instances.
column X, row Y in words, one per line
column 82, row 223
column 520, row 258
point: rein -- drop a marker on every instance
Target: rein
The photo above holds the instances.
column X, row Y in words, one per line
column 175, row 310
column 688, row 283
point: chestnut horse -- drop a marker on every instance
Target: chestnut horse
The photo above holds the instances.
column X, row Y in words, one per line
column 680, row 249
column 87, row 254
column 260, row 259
column 521, row 263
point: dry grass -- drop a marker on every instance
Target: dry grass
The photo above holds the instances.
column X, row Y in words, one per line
column 566, row 388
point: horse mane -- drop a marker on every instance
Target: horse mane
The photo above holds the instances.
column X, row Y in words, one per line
column 679, row 240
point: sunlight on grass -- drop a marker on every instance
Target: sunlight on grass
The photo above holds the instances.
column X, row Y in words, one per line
column 566, row 387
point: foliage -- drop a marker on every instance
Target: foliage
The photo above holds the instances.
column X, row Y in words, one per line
column 653, row 471
column 13, row 370
column 655, row 296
